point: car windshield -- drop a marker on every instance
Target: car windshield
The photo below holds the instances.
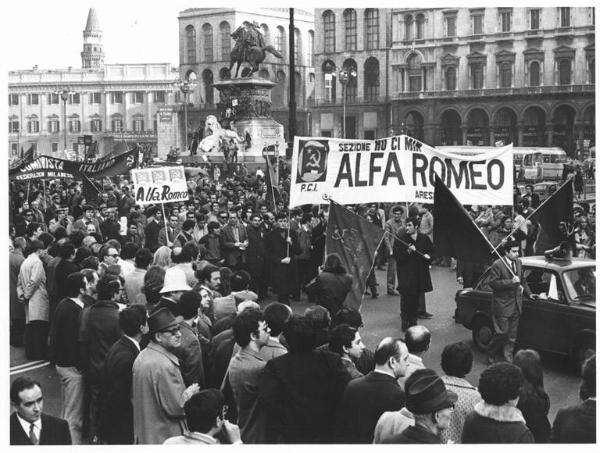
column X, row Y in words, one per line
column 580, row 284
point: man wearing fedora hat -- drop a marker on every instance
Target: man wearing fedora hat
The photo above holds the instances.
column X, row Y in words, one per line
column 158, row 389
column 431, row 405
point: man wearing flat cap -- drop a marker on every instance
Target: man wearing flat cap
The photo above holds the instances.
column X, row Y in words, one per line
column 506, row 281
column 158, row 389
column 431, row 404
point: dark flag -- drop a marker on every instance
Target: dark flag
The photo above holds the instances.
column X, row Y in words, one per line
column 355, row 240
column 554, row 219
column 454, row 232
column 272, row 190
column 28, row 156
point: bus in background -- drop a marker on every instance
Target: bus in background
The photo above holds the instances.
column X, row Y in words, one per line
column 532, row 164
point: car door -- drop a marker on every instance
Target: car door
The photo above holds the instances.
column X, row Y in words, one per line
column 543, row 324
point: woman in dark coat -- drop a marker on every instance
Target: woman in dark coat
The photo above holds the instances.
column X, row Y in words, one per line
column 330, row 288
column 534, row 402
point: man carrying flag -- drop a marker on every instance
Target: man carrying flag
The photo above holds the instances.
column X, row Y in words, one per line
column 412, row 253
column 355, row 241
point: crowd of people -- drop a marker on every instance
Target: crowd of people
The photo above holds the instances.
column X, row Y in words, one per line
column 156, row 319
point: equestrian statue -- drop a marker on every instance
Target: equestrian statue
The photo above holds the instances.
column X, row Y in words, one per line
column 249, row 47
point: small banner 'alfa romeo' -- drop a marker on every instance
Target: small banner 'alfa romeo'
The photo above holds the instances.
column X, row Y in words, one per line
column 394, row 169
column 159, row 185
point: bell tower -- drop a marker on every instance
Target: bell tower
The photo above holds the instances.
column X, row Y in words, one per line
column 92, row 56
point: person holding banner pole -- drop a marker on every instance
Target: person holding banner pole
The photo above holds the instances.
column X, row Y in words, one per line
column 281, row 245
column 413, row 257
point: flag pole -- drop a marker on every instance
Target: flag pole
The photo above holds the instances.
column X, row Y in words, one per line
column 531, row 215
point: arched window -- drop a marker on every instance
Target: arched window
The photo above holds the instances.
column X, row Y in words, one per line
column 224, row 74
column 329, row 80
column 190, row 42
column 505, row 75
column 224, row 32
column 265, row 31
column 534, row 74
column 297, row 47
column 414, row 73
column 207, row 33
column 352, row 84
column 350, row 29
column 278, row 93
column 329, row 31
column 372, row 28
column 408, row 28
column 564, row 71
column 450, row 78
column 371, row 79
column 207, row 80
column 280, row 40
column 311, row 47
column 420, row 21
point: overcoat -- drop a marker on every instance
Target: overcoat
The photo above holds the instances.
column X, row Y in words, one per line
column 508, row 296
column 283, row 276
column 157, row 396
column 412, row 268
column 32, row 285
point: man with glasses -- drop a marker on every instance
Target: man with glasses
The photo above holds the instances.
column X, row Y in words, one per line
column 223, row 218
column 159, row 393
column 506, row 281
column 109, row 256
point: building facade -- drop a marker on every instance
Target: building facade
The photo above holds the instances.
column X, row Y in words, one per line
column 204, row 50
column 116, row 104
column 461, row 76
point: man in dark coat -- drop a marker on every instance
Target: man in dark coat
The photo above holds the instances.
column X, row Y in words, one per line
column 506, row 281
column 28, row 425
column 366, row 398
column 66, row 355
column 577, row 424
column 98, row 332
column 255, row 256
column 64, row 268
column 413, row 257
column 301, row 390
column 280, row 247
column 116, row 413
column 330, row 288
column 152, row 229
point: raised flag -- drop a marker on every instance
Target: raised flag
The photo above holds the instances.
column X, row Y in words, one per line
column 554, row 219
column 355, row 240
column 272, row 189
column 454, row 232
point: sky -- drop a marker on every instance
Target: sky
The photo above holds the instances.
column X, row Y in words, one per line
column 49, row 33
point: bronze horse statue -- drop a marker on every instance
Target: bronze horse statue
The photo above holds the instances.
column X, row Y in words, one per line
column 246, row 50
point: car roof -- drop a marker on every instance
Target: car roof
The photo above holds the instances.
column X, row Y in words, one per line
column 557, row 264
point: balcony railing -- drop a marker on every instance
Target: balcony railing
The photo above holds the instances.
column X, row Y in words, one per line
column 349, row 101
column 458, row 94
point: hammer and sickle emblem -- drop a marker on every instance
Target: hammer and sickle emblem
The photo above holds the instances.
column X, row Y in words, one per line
column 314, row 159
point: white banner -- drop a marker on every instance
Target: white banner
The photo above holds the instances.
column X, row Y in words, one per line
column 395, row 169
column 159, row 185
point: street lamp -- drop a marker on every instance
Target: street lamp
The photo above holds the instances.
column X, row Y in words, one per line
column 186, row 86
column 64, row 95
column 345, row 75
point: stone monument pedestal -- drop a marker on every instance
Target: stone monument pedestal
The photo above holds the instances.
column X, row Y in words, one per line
column 246, row 103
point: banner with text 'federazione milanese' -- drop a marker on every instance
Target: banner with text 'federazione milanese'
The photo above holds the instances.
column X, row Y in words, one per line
column 395, row 169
